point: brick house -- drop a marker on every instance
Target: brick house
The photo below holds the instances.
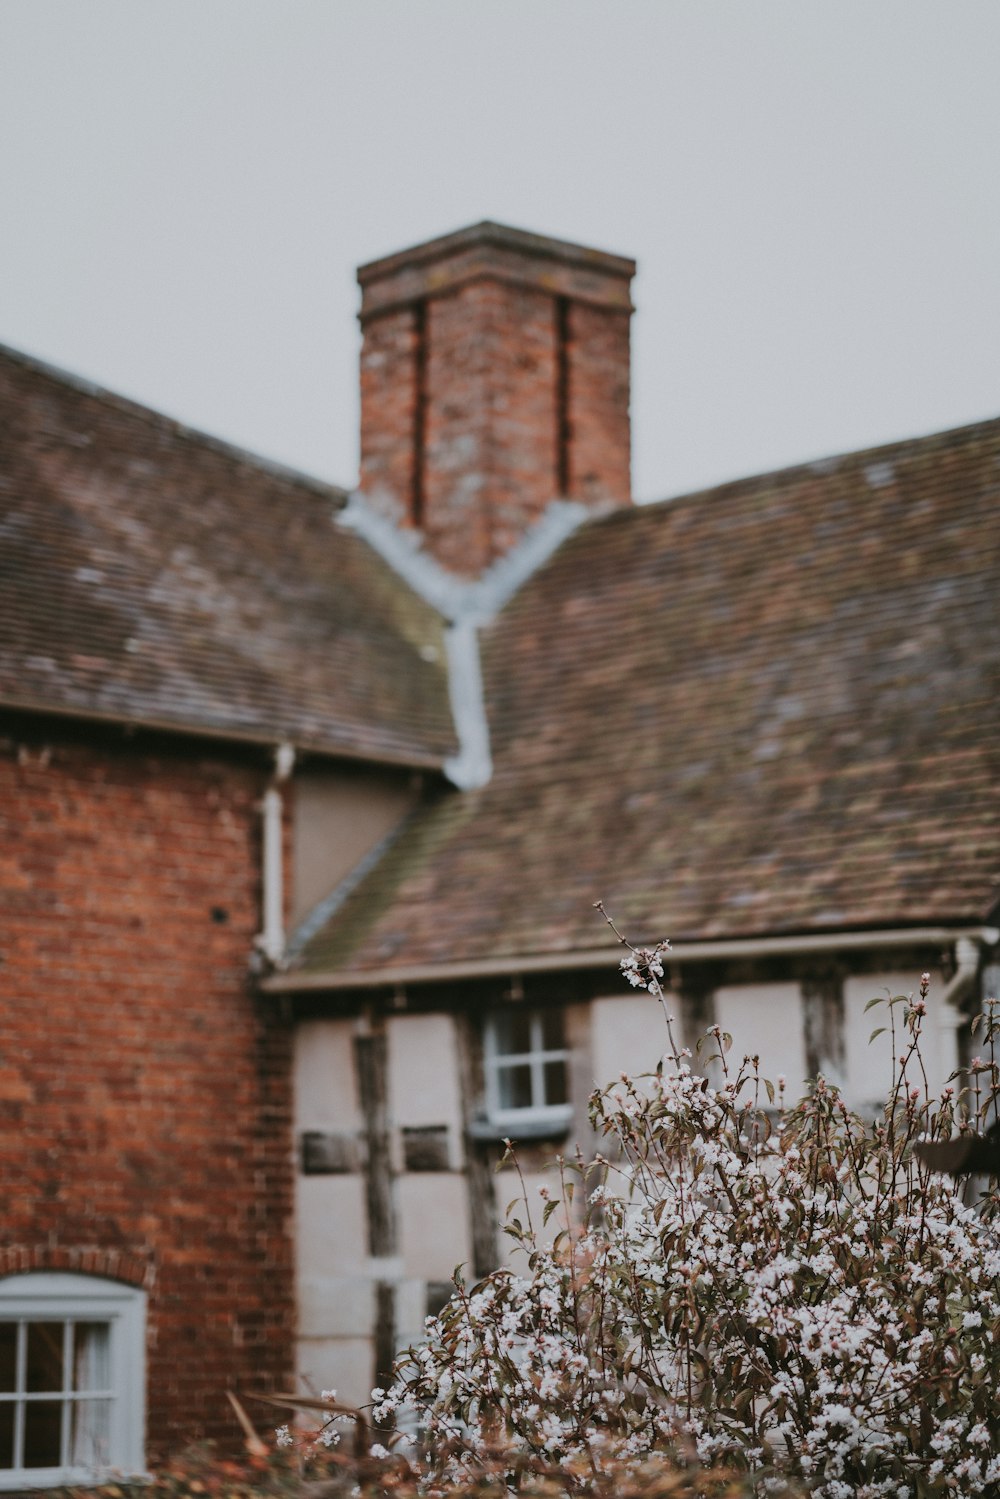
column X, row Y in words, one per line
column 307, row 797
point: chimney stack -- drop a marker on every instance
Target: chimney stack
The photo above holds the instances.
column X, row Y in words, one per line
column 494, row 378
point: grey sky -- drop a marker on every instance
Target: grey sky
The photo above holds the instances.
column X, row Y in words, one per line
column 812, row 192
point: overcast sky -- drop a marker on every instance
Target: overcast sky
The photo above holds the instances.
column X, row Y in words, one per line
column 812, row 192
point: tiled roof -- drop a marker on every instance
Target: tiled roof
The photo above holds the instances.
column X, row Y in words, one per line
column 772, row 707
column 152, row 575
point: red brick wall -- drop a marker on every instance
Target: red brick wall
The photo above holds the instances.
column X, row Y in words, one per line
column 491, row 463
column 388, row 406
column 144, row 1091
column 599, row 464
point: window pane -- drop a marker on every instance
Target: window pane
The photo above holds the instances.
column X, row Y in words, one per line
column 8, row 1355
column 555, row 1082
column 512, row 1029
column 45, row 1356
column 42, row 1433
column 90, row 1434
column 7, row 1435
column 91, row 1356
column 514, row 1087
column 552, row 1030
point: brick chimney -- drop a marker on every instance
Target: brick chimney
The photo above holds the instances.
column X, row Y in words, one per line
column 494, row 378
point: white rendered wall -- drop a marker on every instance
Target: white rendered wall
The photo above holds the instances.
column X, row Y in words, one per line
column 766, row 1020
column 628, row 1034
column 424, row 1081
column 334, row 1284
column 608, row 1036
column 432, row 1206
column 870, row 1066
column 326, row 1094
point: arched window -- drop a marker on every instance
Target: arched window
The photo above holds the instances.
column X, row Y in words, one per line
column 72, row 1379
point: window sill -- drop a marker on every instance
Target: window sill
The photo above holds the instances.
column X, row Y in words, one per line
column 527, row 1126
column 21, row 1480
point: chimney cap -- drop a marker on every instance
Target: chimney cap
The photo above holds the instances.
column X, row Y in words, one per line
column 500, row 236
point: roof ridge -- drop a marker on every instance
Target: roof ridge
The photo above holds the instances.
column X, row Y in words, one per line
column 174, row 425
column 791, row 472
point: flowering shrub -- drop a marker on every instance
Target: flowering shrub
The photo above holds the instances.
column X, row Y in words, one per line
column 780, row 1289
column 202, row 1474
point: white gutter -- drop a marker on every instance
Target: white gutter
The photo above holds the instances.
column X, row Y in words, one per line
column 681, row 952
column 127, row 722
column 271, row 941
column 466, row 606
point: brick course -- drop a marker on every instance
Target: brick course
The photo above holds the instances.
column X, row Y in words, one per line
column 144, row 1091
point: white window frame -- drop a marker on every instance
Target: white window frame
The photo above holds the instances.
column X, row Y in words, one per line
column 539, row 1114
column 41, row 1296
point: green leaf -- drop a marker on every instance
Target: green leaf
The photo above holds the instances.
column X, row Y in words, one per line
column 878, row 1000
column 876, row 1032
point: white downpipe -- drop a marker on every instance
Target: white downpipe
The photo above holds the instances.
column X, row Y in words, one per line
column 950, row 1017
column 466, row 606
column 271, row 941
column 473, row 765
